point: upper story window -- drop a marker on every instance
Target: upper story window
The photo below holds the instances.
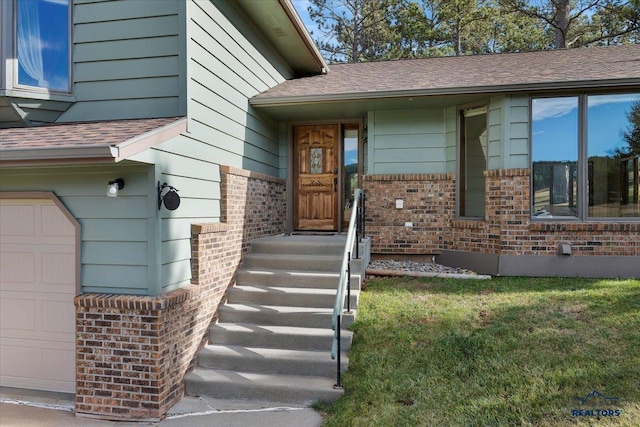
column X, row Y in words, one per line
column 35, row 45
column 585, row 152
column 42, row 44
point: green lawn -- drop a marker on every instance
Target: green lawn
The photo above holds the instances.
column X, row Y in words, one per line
column 500, row 352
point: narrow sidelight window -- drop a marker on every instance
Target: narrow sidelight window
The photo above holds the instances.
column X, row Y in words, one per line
column 473, row 162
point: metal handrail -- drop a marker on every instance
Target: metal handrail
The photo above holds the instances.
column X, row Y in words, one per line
column 356, row 224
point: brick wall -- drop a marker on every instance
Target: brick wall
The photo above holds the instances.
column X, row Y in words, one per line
column 507, row 229
column 133, row 352
column 428, row 204
column 508, row 202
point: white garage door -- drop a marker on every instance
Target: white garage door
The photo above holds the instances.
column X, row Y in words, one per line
column 37, row 286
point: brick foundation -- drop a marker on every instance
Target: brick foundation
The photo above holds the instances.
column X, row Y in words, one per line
column 133, row 352
column 507, row 229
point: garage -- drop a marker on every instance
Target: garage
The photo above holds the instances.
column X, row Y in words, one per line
column 38, row 277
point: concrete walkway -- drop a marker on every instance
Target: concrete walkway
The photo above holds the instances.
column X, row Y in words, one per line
column 54, row 409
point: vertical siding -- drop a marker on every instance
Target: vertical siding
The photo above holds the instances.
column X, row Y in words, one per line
column 407, row 141
column 115, row 238
column 127, row 60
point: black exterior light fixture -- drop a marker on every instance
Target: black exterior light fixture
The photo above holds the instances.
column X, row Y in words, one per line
column 170, row 199
column 114, row 186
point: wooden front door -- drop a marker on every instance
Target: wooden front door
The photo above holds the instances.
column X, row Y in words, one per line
column 315, row 169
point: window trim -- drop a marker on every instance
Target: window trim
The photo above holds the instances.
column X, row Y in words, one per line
column 9, row 57
column 583, row 160
column 6, row 42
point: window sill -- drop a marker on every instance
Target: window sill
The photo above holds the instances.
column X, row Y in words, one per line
column 37, row 94
column 24, row 107
column 584, row 226
column 468, row 223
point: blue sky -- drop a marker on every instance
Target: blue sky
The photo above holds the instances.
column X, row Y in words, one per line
column 301, row 6
column 556, row 126
column 54, row 42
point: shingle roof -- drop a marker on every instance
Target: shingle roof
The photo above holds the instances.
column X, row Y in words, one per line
column 92, row 138
column 461, row 74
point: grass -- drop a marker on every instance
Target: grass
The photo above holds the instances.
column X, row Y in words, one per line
column 501, row 352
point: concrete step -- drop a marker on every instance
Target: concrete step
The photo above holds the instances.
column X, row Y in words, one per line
column 293, row 389
column 306, row 317
column 273, row 336
column 294, row 279
column 273, row 295
column 292, row 262
column 300, row 245
column 270, row 360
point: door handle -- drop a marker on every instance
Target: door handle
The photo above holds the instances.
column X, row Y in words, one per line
column 335, row 184
column 335, row 171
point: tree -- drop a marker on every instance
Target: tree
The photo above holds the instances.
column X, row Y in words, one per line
column 509, row 31
column 367, row 30
column 615, row 24
column 631, row 135
column 463, row 27
column 419, row 31
column 582, row 22
column 354, row 30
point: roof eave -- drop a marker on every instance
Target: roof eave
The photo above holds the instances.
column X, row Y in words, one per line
column 293, row 15
column 295, row 45
column 58, row 155
column 112, row 153
column 137, row 144
column 376, row 95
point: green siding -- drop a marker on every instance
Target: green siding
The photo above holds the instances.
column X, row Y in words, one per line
column 119, row 230
column 426, row 141
column 518, row 155
column 224, row 69
column 508, row 132
column 121, row 279
column 115, row 238
column 407, row 141
column 137, row 59
column 228, row 64
column 114, row 11
column 111, row 253
column 128, row 60
column 152, row 87
column 40, row 110
column 451, row 139
column 124, row 50
column 495, row 120
column 173, row 274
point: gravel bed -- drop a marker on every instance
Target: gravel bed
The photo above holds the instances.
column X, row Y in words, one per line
column 418, row 267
